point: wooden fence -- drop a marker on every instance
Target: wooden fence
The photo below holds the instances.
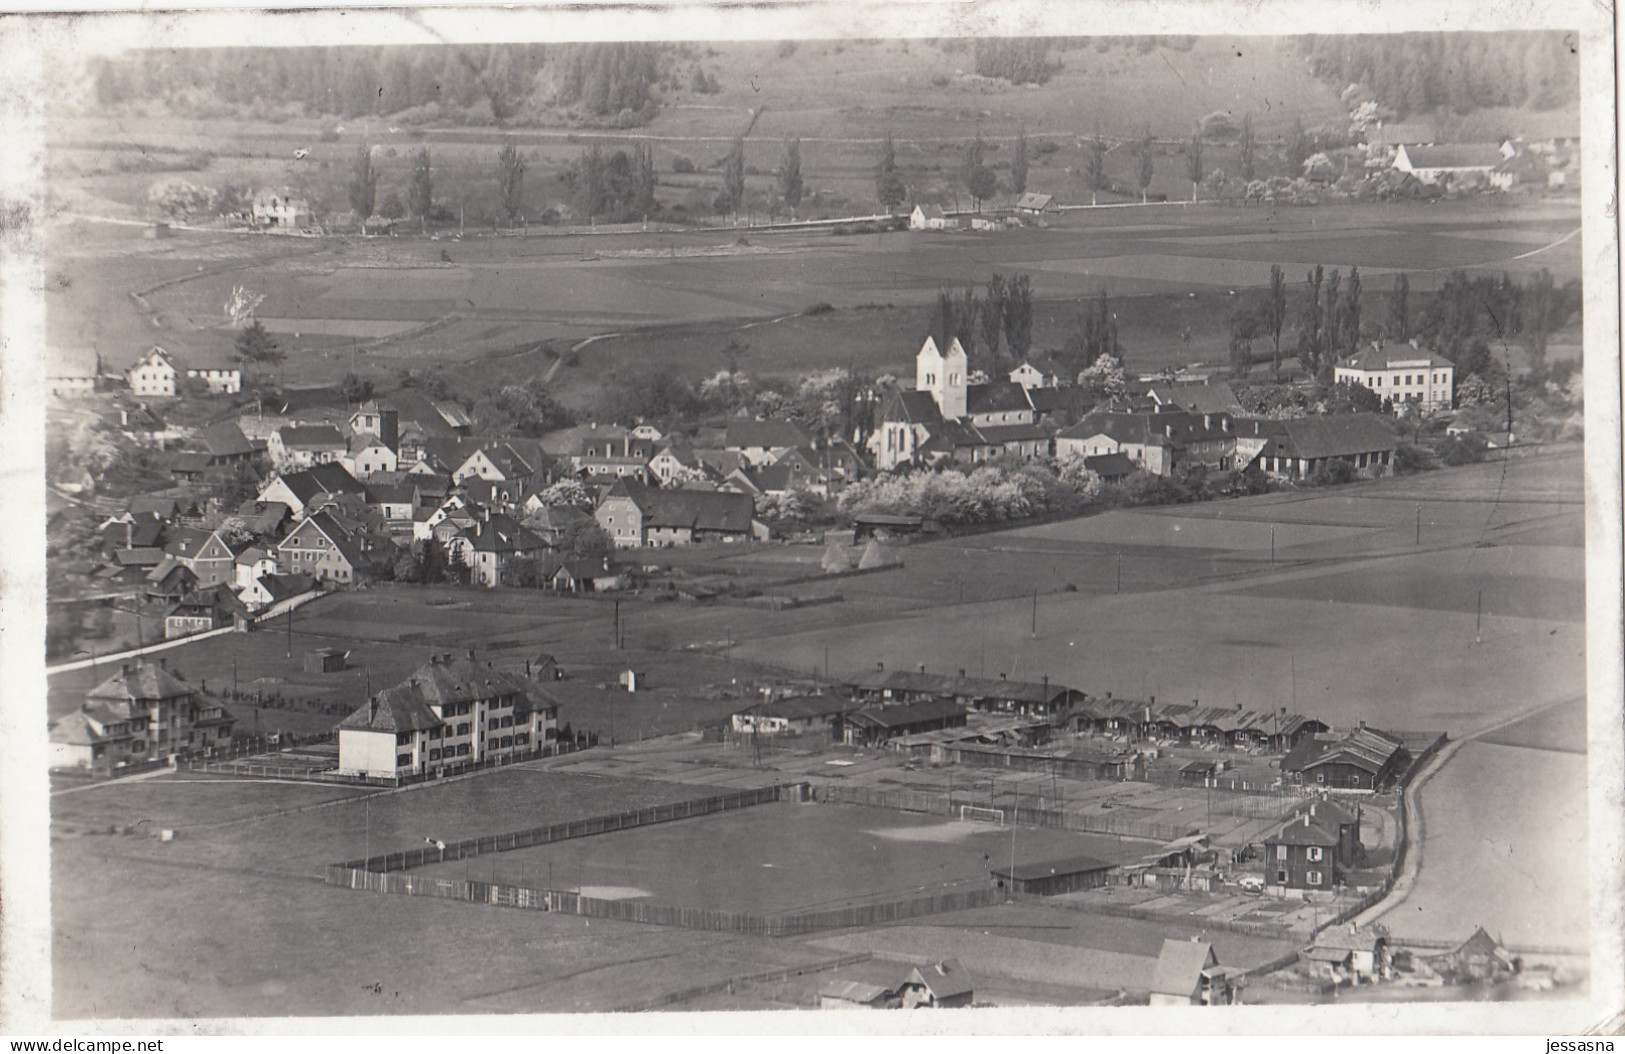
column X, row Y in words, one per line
column 713, row 919
column 1027, row 816
column 621, row 821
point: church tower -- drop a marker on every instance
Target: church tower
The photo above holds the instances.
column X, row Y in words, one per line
column 944, row 376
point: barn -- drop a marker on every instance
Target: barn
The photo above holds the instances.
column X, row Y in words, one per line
column 1048, row 878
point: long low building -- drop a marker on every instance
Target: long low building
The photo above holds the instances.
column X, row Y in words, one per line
column 995, row 695
column 1048, row 878
column 878, row 725
column 794, row 715
column 1193, row 723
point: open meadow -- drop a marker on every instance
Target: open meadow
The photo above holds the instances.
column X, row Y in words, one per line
column 510, row 308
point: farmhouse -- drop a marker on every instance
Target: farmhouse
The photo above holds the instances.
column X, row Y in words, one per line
column 1048, row 878
column 214, row 371
column 302, row 446
column 1404, row 375
column 612, row 453
column 269, row 590
column 1033, row 203
column 273, row 209
column 253, row 562
column 1160, row 443
column 70, row 374
column 319, row 547
column 1203, row 397
column 153, row 375
column 837, row 994
column 928, row 218
column 207, row 554
column 204, row 610
column 1442, row 164
column 449, row 712
column 297, row 490
column 585, row 576
column 1301, row 445
column 491, row 544
column 941, row 986
column 144, row 711
column 635, row 515
column 367, row 455
column 226, row 444
column 1188, row 974
column 794, row 715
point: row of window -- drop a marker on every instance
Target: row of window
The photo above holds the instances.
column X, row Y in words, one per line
column 1420, row 378
column 1312, row 878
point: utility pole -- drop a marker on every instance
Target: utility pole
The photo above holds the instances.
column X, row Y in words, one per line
column 1478, row 625
column 615, row 627
column 290, row 632
column 1272, row 545
column 1418, row 523
column 1119, row 572
column 1035, row 613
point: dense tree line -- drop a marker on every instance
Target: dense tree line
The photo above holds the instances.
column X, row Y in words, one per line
column 1428, row 72
column 601, row 79
column 614, row 187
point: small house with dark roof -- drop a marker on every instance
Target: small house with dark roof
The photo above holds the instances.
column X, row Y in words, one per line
column 1302, row 855
column 299, row 489
column 1348, row 954
column 635, row 515
column 226, row 444
column 940, row 986
column 450, row 712
column 1362, row 761
column 1033, row 203
column 216, row 607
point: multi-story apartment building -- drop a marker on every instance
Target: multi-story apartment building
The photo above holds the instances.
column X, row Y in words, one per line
column 1404, row 375
column 141, row 713
column 450, row 712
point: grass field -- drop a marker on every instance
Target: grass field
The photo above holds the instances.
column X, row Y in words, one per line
column 786, row 858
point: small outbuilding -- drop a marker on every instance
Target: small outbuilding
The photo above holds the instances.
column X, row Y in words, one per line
column 325, row 660
column 1188, row 974
column 1048, row 878
column 939, row 986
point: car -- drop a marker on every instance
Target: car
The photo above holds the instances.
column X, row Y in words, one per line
column 1250, row 883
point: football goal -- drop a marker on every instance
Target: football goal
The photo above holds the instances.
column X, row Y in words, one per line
column 981, row 815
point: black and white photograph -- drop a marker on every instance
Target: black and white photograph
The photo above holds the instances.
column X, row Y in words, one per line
column 812, row 510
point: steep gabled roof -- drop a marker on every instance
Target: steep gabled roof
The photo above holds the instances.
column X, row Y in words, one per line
column 396, row 710
column 912, row 407
column 945, row 979
column 225, row 439
column 1180, row 965
column 1303, row 830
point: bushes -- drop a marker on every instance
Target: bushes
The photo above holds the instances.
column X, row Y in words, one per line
column 1409, row 460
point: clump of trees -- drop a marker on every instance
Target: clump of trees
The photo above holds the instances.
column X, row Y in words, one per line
column 616, row 187
column 1019, row 60
column 1458, row 72
column 1004, row 489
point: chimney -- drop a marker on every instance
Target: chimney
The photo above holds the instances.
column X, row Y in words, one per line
column 1002, row 676
column 163, row 662
column 1108, row 697
column 962, row 674
column 124, row 669
column 922, row 667
column 1046, row 682
column 880, row 666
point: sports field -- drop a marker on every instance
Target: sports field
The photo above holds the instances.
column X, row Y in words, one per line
column 784, row 858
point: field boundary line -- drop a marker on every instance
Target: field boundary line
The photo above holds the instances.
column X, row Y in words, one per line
column 784, row 973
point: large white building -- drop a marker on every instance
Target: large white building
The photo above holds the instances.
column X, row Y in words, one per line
column 1402, row 374
column 451, row 712
column 153, row 375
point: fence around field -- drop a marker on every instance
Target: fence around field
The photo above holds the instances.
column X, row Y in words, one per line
column 1027, row 816
column 1269, row 930
column 714, row 919
column 559, row 832
column 767, row 977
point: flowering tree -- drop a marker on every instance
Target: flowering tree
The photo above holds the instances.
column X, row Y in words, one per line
column 1105, row 376
column 568, row 492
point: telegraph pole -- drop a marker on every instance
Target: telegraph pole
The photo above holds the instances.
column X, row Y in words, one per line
column 290, row 633
column 1119, row 572
column 1272, row 545
column 1478, row 625
column 1035, row 613
column 1418, row 523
